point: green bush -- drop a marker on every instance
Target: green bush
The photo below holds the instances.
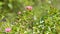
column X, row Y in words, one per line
column 42, row 18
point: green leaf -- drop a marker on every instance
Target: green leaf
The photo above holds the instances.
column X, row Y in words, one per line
column 10, row 6
column 1, row 3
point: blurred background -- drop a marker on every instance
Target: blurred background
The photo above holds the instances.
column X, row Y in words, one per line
column 44, row 18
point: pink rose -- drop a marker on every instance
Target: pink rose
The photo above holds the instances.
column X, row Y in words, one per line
column 29, row 7
column 8, row 29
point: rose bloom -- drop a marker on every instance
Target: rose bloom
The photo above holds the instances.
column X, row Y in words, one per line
column 8, row 29
column 29, row 7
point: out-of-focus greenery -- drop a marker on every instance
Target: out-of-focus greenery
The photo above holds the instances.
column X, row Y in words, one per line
column 44, row 18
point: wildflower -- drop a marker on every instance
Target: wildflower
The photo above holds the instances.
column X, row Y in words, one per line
column 29, row 7
column 8, row 29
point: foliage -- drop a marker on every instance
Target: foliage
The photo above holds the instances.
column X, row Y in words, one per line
column 44, row 18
